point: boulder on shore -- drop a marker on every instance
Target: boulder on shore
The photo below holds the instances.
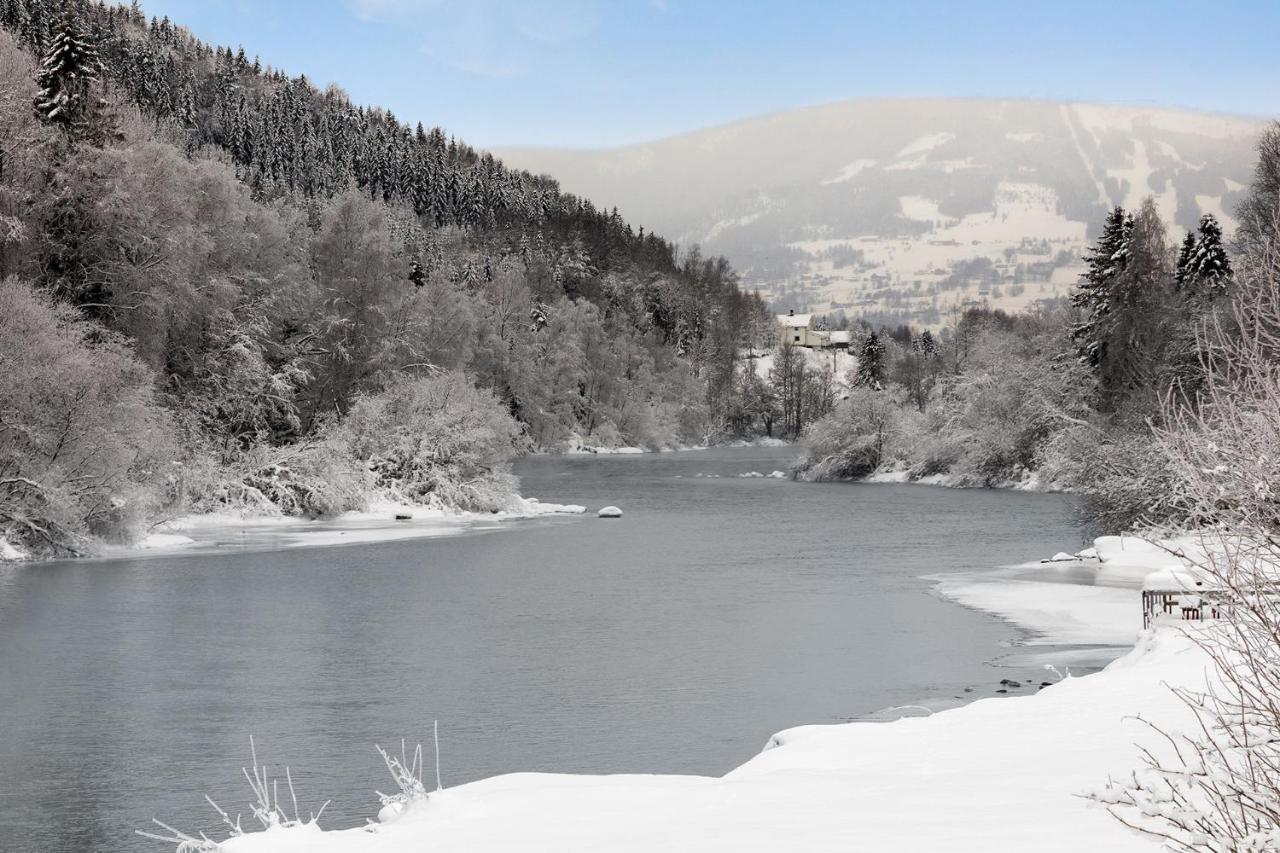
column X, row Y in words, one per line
column 609, row 512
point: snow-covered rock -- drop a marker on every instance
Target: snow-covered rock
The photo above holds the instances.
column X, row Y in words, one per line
column 609, row 512
column 779, row 475
column 532, row 507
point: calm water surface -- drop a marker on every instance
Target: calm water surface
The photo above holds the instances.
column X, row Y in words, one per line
column 675, row 640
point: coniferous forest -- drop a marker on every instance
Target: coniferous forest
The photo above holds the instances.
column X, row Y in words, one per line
column 226, row 288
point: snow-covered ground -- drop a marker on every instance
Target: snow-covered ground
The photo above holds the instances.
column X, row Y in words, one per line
column 998, row 774
column 382, row 521
column 1030, row 481
column 578, row 446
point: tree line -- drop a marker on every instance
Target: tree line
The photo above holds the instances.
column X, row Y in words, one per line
column 255, row 262
column 1072, row 395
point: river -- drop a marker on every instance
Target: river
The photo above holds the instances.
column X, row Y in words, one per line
column 676, row 639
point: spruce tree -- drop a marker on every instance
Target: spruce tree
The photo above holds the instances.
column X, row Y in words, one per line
column 1185, row 256
column 927, row 344
column 871, row 362
column 65, row 78
column 1094, row 295
column 1208, row 269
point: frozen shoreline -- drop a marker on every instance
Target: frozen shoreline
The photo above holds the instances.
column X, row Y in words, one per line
column 382, row 521
column 578, row 447
column 1002, row 773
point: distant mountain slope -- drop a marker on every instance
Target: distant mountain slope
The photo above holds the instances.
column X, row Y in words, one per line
column 902, row 208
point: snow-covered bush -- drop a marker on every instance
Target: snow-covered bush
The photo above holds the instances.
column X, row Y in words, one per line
column 1124, row 478
column 311, row 478
column 83, row 443
column 267, row 809
column 435, row 441
column 995, row 420
column 855, row 439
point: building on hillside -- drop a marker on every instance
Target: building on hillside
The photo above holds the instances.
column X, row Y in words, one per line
column 797, row 330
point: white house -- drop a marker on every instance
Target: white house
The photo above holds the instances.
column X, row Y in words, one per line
column 797, row 330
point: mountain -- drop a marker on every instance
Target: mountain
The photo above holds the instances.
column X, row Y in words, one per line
column 901, row 209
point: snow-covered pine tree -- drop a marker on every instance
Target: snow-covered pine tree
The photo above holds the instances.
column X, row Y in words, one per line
column 65, row 78
column 1185, row 255
column 927, row 344
column 871, row 362
column 1093, row 294
column 1209, row 270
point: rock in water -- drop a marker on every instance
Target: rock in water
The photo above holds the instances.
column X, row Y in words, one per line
column 609, row 512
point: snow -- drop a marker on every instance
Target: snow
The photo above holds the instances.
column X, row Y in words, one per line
column 849, row 172
column 729, row 224
column 1213, row 204
column 922, row 209
column 579, row 448
column 1138, row 174
column 609, row 512
column 202, row 521
column 841, row 362
column 997, row 774
column 795, row 321
column 896, row 475
column 157, row 541
column 924, row 144
column 1021, row 211
column 10, row 552
column 1058, row 614
column 532, row 508
column 380, row 521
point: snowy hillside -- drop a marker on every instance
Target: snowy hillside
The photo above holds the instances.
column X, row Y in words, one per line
column 904, row 208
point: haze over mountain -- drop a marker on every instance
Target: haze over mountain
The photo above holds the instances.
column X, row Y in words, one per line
column 901, row 209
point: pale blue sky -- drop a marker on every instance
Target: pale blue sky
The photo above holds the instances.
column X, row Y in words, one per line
column 591, row 73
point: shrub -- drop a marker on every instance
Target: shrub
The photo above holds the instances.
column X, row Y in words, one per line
column 855, row 439
column 438, row 441
column 83, row 444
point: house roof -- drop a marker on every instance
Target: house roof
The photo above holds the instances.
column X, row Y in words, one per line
column 839, row 337
column 795, row 321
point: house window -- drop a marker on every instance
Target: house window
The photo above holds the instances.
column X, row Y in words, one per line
column 797, row 339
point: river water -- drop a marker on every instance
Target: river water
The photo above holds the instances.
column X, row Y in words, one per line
column 718, row 610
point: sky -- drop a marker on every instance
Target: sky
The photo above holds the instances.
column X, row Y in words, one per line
column 604, row 73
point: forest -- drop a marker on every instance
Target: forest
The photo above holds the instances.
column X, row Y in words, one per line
column 226, row 289
column 223, row 289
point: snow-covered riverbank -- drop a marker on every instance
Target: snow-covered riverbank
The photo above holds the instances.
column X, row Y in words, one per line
column 578, row 446
column 999, row 774
column 996, row 774
column 382, row 521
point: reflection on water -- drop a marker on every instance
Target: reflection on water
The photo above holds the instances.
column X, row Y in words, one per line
column 720, row 609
